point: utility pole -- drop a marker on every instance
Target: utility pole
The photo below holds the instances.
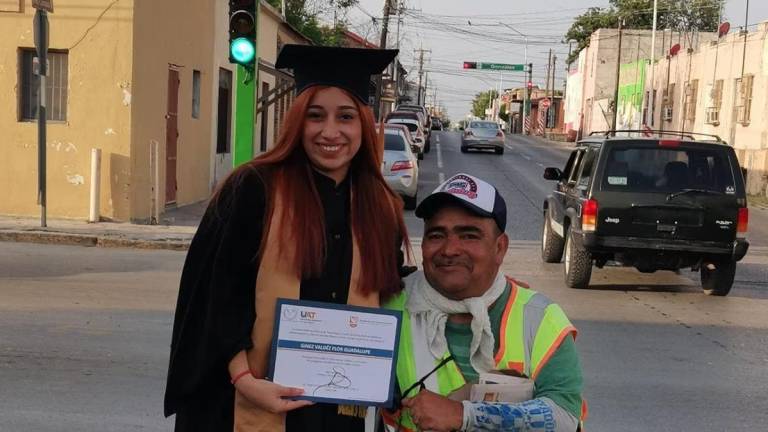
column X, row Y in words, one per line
column 382, row 45
column 546, row 90
column 41, row 32
column 651, row 101
column 396, row 72
column 421, row 52
column 616, row 90
column 527, row 101
column 552, row 111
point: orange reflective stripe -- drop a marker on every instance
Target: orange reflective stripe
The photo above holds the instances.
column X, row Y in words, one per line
column 504, row 317
column 584, row 410
column 552, row 348
column 518, row 367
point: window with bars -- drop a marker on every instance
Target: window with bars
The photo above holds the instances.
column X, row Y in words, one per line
column 57, row 85
column 744, row 105
column 691, row 92
column 716, row 96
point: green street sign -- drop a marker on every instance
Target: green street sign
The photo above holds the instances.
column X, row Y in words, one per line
column 502, row 67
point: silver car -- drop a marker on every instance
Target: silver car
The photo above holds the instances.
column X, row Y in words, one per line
column 400, row 167
column 483, row 135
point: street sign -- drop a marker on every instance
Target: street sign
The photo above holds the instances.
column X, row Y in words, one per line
column 502, row 67
column 545, row 103
column 46, row 5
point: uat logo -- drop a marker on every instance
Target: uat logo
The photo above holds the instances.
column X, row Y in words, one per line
column 462, row 185
column 289, row 313
column 353, row 320
column 310, row 315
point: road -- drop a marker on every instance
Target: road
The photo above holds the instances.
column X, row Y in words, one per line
column 84, row 332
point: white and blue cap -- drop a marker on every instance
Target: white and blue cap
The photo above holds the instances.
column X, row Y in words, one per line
column 469, row 192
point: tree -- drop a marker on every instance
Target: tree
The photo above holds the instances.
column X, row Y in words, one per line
column 303, row 15
column 482, row 102
column 680, row 15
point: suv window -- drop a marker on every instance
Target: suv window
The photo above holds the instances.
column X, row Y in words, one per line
column 648, row 169
column 587, row 166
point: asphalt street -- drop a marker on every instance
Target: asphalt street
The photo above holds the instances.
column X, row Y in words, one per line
column 84, row 332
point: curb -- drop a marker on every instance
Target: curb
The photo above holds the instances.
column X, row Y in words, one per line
column 106, row 241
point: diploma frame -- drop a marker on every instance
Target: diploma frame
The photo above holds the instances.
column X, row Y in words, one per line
column 343, row 307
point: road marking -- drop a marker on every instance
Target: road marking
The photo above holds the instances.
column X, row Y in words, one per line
column 439, row 155
column 526, row 157
column 541, row 165
column 437, row 139
column 441, row 177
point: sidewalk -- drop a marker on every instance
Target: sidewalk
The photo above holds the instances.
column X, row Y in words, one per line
column 174, row 232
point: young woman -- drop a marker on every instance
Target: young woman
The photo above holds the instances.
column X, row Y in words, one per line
column 310, row 219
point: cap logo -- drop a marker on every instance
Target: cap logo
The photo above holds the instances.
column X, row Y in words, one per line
column 462, row 185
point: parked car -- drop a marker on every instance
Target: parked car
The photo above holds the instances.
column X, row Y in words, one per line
column 483, row 135
column 649, row 203
column 437, row 124
column 414, row 127
column 417, row 116
column 401, row 167
column 418, row 108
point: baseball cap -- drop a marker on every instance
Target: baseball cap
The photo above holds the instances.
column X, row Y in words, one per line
column 469, row 192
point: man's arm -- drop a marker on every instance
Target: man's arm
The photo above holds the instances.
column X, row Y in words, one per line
column 556, row 405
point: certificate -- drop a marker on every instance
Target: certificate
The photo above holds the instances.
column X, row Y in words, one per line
column 337, row 353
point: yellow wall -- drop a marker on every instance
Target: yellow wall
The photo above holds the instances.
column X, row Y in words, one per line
column 99, row 77
column 179, row 34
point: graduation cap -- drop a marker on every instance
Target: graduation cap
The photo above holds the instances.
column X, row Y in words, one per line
column 348, row 68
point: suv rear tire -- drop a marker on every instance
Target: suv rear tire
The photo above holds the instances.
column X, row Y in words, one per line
column 499, row 150
column 577, row 264
column 719, row 280
column 551, row 243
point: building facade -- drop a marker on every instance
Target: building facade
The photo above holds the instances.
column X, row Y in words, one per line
column 591, row 82
column 720, row 89
column 136, row 79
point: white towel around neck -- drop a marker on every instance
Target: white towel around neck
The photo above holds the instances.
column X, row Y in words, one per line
column 432, row 309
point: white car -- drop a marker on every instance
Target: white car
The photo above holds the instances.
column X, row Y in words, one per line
column 417, row 132
column 400, row 166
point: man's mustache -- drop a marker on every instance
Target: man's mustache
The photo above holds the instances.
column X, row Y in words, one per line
column 447, row 262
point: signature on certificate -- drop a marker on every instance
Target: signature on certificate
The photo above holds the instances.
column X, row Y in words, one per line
column 338, row 380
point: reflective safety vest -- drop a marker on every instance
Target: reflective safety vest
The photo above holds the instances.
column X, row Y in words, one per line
column 532, row 328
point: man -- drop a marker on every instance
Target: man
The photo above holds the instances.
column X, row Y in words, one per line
column 462, row 317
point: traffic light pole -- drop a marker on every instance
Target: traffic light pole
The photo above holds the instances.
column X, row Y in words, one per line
column 243, row 27
column 245, row 98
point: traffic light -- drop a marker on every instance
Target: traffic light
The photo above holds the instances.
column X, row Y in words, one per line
column 530, row 85
column 470, row 65
column 242, row 32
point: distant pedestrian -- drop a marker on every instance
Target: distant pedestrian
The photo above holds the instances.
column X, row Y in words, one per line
column 311, row 219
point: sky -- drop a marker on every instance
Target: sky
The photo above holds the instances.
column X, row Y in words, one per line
column 455, row 31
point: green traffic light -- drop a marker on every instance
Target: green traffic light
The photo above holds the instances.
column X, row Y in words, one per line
column 242, row 50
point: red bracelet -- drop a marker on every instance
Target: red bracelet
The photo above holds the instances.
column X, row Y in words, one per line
column 240, row 375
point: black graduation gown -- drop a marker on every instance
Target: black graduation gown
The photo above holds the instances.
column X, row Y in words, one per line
column 215, row 310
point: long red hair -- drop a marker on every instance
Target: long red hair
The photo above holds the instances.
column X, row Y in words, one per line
column 376, row 211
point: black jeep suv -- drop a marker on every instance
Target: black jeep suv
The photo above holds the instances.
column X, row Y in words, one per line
column 649, row 203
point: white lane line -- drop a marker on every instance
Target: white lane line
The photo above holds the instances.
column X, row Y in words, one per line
column 440, row 175
column 539, row 164
column 526, row 157
column 437, row 139
column 439, row 155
